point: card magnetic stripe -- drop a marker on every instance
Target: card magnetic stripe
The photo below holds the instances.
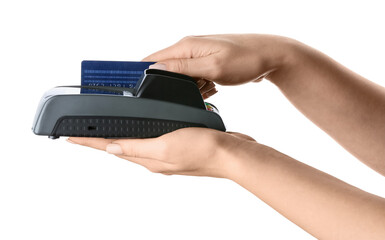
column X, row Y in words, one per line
column 111, row 73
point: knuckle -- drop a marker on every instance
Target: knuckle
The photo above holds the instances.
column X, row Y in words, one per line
column 217, row 68
column 188, row 38
column 129, row 151
column 217, row 62
column 178, row 65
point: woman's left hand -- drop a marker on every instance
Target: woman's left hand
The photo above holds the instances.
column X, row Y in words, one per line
column 187, row 151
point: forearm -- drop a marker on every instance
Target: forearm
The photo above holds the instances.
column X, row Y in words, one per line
column 322, row 205
column 345, row 105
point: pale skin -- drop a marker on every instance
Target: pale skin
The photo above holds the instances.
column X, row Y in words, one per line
column 348, row 107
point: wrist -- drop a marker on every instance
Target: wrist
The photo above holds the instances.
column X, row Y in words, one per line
column 236, row 158
column 284, row 58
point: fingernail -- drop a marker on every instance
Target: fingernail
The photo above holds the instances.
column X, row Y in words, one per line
column 70, row 141
column 159, row 66
column 114, row 148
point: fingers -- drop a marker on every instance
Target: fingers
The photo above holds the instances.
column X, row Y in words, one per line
column 194, row 67
column 153, row 165
column 138, row 151
column 208, row 90
column 132, row 150
column 207, row 87
column 193, row 56
column 201, row 83
column 185, row 48
column 209, row 94
column 97, row 143
column 139, row 148
column 151, row 148
column 156, row 166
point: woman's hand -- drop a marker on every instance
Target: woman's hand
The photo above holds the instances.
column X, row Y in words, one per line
column 322, row 205
column 224, row 59
column 187, row 151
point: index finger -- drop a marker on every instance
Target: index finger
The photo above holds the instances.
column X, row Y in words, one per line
column 188, row 47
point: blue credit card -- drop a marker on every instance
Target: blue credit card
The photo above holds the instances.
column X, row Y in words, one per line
column 111, row 73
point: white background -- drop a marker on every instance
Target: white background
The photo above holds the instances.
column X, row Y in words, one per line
column 55, row 190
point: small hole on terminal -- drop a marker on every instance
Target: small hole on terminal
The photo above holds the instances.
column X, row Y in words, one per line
column 91, row 128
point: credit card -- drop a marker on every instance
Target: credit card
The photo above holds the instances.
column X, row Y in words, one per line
column 111, row 73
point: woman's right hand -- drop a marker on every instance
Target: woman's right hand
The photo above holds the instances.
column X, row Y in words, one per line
column 228, row 59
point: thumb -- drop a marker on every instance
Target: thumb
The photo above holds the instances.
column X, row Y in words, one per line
column 194, row 67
